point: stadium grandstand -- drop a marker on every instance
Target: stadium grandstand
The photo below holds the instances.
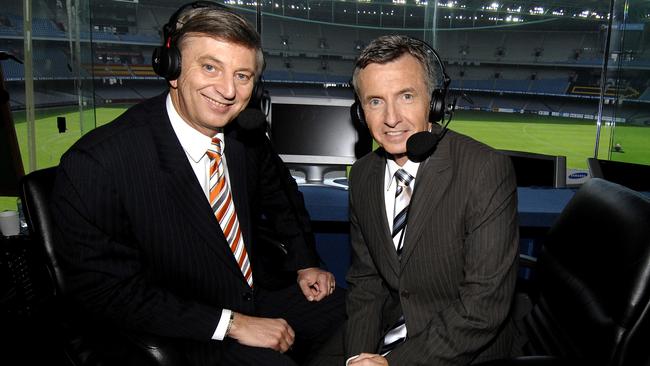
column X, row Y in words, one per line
column 556, row 54
column 573, row 59
column 544, row 58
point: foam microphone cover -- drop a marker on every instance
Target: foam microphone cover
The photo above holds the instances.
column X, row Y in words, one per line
column 420, row 145
column 251, row 119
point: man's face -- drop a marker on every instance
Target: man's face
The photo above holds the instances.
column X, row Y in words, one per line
column 395, row 102
column 216, row 82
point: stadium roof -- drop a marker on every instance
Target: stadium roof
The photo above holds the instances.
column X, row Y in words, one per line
column 513, row 11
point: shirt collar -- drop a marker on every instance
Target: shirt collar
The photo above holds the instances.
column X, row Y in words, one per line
column 411, row 167
column 193, row 142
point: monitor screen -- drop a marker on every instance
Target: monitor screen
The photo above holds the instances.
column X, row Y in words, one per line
column 538, row 170
column 312, row 132
column 633, row 176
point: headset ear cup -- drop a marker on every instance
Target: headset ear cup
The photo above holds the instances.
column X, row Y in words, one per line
column 157, row 60
column 437, row 106
column 258, row 90
column 166, row 62
column 173, row 63
column 356, row 112
column 258, row 95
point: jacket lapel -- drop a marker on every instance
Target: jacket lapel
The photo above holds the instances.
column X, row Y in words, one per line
column 183, row 189
column 378, row 207
column 236, row 161
column 434, row 175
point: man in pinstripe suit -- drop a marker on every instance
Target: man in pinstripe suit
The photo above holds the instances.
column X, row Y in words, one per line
column 139, row 242
column 439, row 291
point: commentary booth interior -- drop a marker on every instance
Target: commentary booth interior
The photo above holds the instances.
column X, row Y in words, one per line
column 551, row 84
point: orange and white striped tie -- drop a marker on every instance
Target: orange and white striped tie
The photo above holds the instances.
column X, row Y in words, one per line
column 224, row 210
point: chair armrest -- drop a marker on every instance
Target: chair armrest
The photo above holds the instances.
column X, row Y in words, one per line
column 160, row 351
column 535, row 361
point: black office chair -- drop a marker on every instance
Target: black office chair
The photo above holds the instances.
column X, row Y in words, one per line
column 593, row 278
column 77, row 344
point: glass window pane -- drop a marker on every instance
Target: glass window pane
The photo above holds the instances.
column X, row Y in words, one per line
column 526, row 76
column 627, row 136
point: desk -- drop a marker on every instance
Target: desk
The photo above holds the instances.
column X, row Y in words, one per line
column 538, row 207
column 328, row 208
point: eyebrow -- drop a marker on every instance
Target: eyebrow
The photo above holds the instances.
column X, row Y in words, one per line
column 216, row 60
column 402, row 91
column 210, row 58
column 405, row 90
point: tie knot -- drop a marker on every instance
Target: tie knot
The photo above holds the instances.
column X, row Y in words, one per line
column 214, row 150
column 403, row 177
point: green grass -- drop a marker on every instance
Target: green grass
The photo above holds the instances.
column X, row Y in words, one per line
column 572, row 138
column 545, row 135
column 50, row 144
column 541, row 134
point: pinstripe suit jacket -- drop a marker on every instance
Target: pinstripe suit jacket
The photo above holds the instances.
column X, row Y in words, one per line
column 455, row 280
column 139, row 244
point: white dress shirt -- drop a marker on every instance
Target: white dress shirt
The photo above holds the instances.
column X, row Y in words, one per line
column 195, row 145
column 390, row 186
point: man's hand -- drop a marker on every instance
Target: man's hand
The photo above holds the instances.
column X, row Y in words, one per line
column 368, row 359
column 316, row 283
column 261, row 332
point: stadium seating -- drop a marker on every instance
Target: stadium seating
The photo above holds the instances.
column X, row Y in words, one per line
column 474, row 57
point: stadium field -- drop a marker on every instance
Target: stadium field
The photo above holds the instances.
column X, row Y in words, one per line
column 554, row 136
column 541, row 134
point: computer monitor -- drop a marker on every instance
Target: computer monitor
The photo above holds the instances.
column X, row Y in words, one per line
column 11, row 165
column 538, row 170
column 633, row 176
column 316, row 135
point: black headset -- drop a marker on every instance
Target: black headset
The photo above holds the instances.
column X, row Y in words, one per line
column 437, row 106
column 166, row 59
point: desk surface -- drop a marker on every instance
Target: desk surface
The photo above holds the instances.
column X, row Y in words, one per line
column 538, row 207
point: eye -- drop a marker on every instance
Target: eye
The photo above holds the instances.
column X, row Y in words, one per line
column 242, row 77
column 408, row 97
column 374, row 102
column 208, row 68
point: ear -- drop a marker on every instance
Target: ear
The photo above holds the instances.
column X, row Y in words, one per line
column 173, row 84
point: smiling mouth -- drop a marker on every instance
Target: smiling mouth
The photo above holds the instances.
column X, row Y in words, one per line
column 395, row 133
column 215, row 102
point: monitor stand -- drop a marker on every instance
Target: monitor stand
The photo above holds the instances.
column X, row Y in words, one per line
column 321, row 175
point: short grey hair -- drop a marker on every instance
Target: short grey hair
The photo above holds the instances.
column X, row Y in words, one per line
column 388, row 48
column 219, row 23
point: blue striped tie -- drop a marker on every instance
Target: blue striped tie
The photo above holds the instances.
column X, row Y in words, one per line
column 402, row 200
column 397, row 333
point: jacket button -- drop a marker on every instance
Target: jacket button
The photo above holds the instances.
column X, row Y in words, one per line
column 405, row 294
column 247, row 296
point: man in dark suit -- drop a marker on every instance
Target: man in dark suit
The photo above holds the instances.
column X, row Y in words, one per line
column 434, row 239
column 157, row 212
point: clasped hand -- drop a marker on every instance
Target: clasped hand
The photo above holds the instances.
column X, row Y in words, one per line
column 253, row 331
column 316, row 283
column 277, row 334
column 367, row 359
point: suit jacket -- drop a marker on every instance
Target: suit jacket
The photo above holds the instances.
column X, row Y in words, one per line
column 456, row 277
column 138, row 240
